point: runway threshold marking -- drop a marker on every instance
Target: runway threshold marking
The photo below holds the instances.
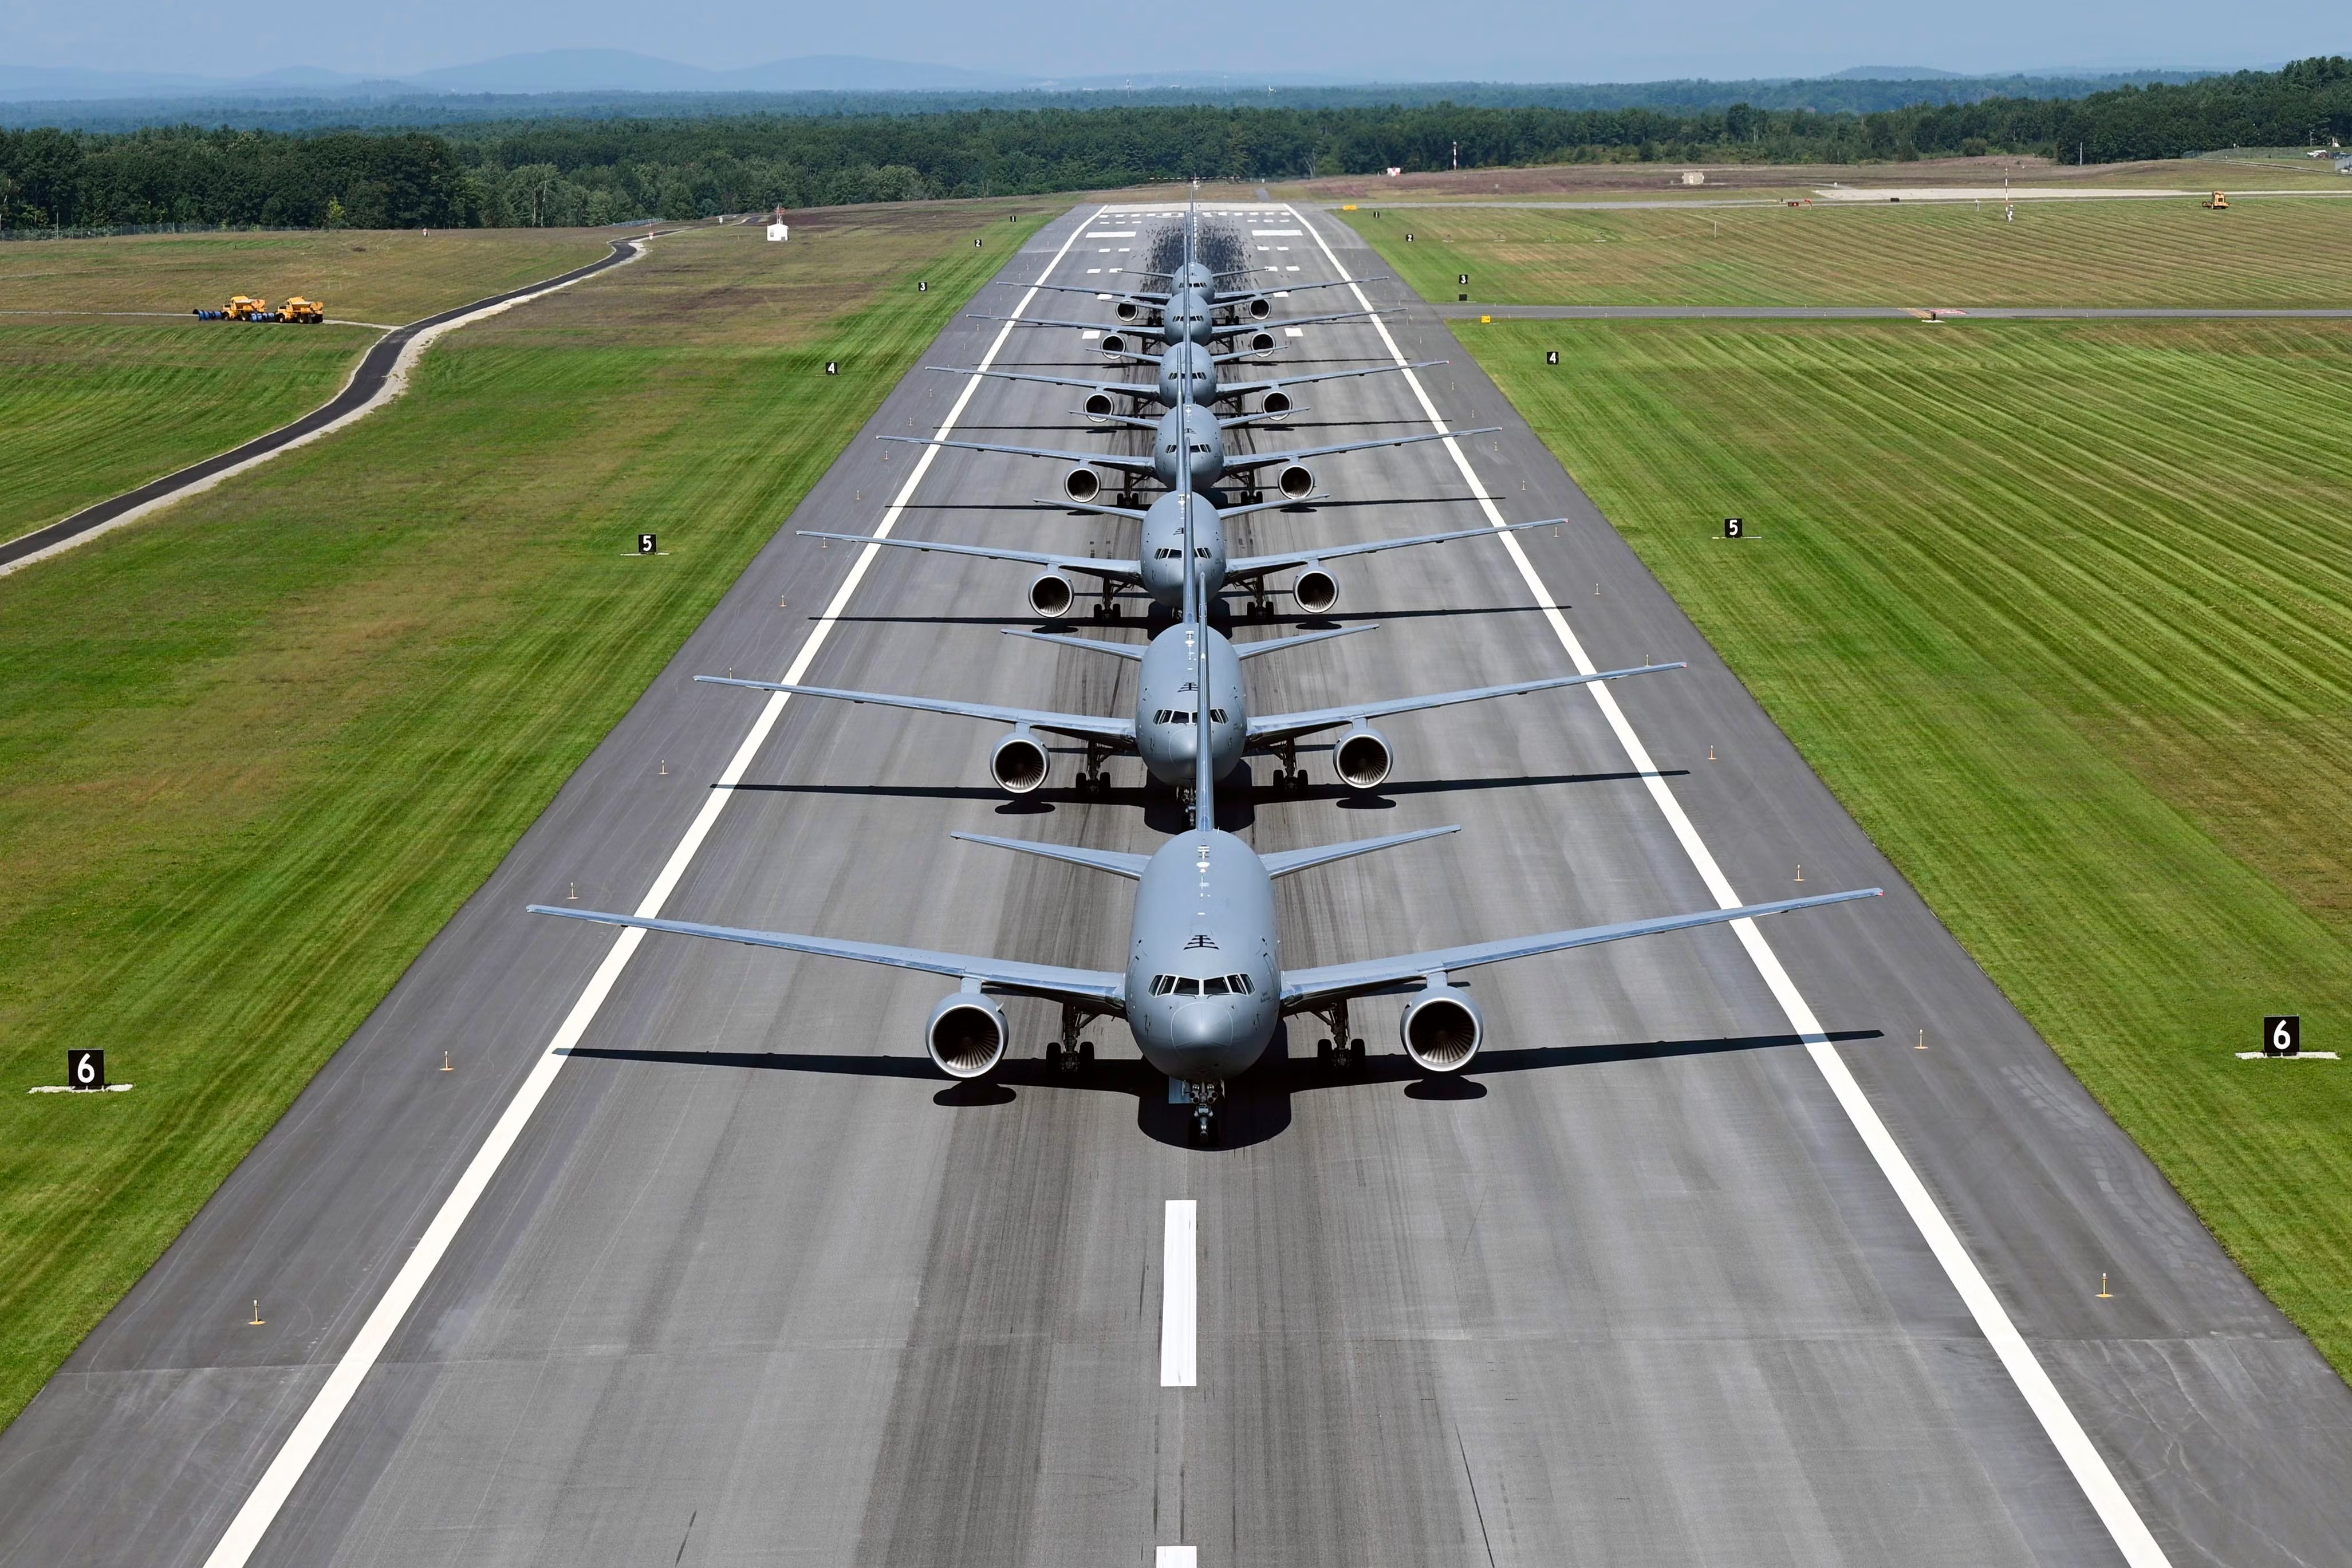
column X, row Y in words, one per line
column 1179, row 1300
column 268, row 1496
column 2098, row 1483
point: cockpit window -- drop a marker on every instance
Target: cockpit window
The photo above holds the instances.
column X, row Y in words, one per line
column 1216, row 985
column 1188, row 986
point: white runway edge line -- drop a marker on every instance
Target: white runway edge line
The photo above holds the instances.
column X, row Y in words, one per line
column 395, row 382
column 2090, row 1473
column 1180, row 1298
column 270, row 1494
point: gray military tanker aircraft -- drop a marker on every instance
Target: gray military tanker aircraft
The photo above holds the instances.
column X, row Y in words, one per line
column 1186, row 373
column 1205, row 988
column 1203, row 441
column 1167, row 695
column 1160, row 570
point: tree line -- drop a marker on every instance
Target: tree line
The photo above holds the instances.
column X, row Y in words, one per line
column 574, row 172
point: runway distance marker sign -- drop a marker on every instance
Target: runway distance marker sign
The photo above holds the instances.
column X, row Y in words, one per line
column 1552, row 357
column 86, row 1069
column 1735, row 528
column 833, row 367
column 647, row 545
column 2283, row 1035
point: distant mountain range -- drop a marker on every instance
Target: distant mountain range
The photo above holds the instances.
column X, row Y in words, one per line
column 610, row 71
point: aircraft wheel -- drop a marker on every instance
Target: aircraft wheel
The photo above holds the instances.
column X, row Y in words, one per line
column 1205, row 1126
column 1052, row 1053
column 1102, row 781
column 1356, row 1053
column 1087, row 1052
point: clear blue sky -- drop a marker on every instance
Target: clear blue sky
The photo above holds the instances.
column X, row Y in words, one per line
column 1523, row 40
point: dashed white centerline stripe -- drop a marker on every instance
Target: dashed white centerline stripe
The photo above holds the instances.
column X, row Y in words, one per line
column 270, row 1494
column 1176, row 1557
column 2114, row 1510
column 1180, row 1304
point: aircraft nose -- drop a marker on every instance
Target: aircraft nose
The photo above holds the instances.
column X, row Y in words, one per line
column 1200, row 1025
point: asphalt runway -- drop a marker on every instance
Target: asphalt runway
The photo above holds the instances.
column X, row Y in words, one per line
column 754, row 1284
column 365, row 382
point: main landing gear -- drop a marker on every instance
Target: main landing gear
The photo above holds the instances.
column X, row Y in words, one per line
column 1070, row 1054
column 1342, row 1052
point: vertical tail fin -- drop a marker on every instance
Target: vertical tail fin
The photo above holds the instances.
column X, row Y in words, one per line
column 1196, row 610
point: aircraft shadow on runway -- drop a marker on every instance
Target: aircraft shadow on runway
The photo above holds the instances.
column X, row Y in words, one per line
column 1257, row 1104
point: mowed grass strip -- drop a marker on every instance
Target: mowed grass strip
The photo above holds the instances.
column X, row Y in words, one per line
column 254, row 754
column 2063, row 614
column 386, row 276
column 2272, row 253
column 94, row 404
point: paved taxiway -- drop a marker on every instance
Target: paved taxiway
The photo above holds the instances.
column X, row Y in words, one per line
column 754, row 1285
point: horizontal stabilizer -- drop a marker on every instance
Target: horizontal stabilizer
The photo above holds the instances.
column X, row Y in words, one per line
column 1275, row 645
column 1111, row 860
column 1282, row 863
column 1085, row 644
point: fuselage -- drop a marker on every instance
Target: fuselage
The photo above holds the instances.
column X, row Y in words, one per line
column 1187, row 371
column 1167, row 695
column 1204, row 964
column 1187, row 431
column 1162, row 544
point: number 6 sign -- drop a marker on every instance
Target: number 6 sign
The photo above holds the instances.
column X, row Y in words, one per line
column 85, row 1069
column 2283, row 1035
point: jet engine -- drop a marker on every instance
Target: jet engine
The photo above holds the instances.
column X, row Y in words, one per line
column 1260, row 308
column 1116, row 343
column 1082, row 485
column 1098, row 406
column 1442, row 1030
column 1316, row 590
column 1362, row 758
column 1019, row 764
column 1051, row 596
column 1276, row 404
column 966, row 1034
column 1126, row 309
column 1295, row 481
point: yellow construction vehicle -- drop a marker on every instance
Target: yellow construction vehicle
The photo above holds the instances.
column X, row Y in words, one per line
column 2220, row 202
column 244, row 307
column 297, row 309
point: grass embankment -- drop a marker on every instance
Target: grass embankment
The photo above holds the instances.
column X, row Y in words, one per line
column 2272, row 253
column 2063, row 614
column 254, row 752
column 94, row 404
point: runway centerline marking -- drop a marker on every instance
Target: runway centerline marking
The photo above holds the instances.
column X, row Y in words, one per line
column 1175, row 1557
column 2107, row 1496
column 1180, row 1301
column 268, row 1496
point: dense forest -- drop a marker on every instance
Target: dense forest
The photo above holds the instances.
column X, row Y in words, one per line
column 567, row 172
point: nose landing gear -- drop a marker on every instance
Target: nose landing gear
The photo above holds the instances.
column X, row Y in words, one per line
column 1203, row 1099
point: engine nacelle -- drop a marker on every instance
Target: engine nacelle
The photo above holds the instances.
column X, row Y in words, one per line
column 1260, row 308
column 1051, row 596
column 1113, row 343
column 1362, row 758
column 1098, row 406
column 1295, row 481
column 1019, row 764
column 1126, row 309
column 1442, row 1030
column 1082, row 485
column 966, row 1034
column 1260, row 343
column 1316, row 590
column 1276, row 404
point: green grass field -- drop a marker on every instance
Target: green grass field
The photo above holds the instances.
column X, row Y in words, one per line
column 93, row 405
column 253, row 752
column 2063, row 614
column 2272, row 252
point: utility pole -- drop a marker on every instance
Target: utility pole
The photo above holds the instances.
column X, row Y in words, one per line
column 1457, row 155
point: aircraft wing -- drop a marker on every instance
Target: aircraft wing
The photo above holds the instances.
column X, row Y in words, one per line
column 1238, row 295
column 1091, row 986
column 1288, row 726
column 1254, row 565
column 1132, row 388
column 1271, row 322
column 1303, row 987
column 1047, row 322
column 1098, row 460
column 1082, row 726
column 1232, row 387
column 1114, row 571
column 1243, row 462
column 1147, row 297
